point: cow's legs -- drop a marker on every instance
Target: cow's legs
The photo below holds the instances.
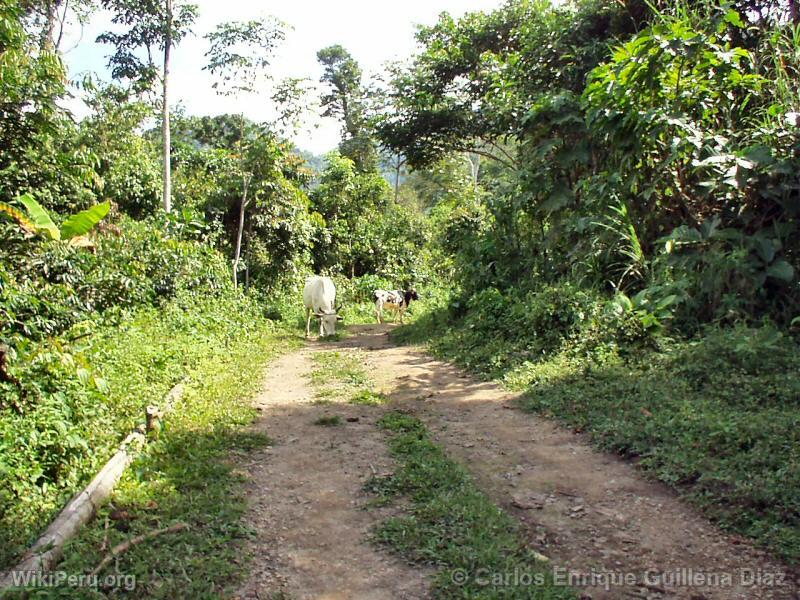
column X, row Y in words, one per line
column 378, row 311
column 401, row 310
column 308, row 322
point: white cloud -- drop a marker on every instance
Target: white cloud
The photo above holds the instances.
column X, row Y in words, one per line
column 373, row 32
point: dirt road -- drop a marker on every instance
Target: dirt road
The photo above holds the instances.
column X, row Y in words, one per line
column 595, row 516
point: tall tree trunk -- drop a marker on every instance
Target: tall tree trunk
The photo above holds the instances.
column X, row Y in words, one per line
column 248, row 255
column 397, row 181
column 63, row 19
column 474, row 161
column 399, row 165
column 166, row 198
column 46, row 41
column 238, row 254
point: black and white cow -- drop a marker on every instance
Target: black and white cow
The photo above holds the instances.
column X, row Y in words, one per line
column 395, row 300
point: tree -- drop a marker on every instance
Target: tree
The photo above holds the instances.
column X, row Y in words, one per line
column 38, row 153
column 351, row 202
column 45, row 17
column 127, row 161
column 153, row 25
column 346, row 100
column 396, row 162
column 239, row 54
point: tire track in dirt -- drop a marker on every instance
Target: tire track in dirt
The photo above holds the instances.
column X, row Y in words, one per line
column 306, row 503
column 591, row 512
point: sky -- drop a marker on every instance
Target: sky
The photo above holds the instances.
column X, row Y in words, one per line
column 374, row 32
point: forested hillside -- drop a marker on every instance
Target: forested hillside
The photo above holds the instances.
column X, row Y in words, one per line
column 597, row 201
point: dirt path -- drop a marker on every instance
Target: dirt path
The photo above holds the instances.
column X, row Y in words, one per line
column 593, row 514
column 306, row 501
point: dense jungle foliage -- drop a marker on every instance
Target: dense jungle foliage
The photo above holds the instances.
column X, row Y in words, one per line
column 98, row 321
column 629, row 254
column 598, row 201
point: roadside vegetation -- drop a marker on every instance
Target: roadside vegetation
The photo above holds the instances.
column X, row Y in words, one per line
column 629, row 255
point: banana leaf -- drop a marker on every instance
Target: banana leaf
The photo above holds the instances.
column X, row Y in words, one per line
column 84, row 221
column 39, row 216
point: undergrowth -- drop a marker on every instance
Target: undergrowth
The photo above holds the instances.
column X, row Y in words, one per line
column 715, row 416
column 186, row 475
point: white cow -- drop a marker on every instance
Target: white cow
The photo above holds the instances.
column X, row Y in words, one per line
column 319, row 298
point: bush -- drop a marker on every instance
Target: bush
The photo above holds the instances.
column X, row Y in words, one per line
column 51, row 286
column 493, row 330
column 76, row 400
column 93, row 337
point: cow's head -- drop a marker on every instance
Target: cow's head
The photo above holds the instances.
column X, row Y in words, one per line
column 328, row 320
column 411, row 294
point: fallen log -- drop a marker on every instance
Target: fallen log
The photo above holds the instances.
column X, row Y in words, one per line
column 49, row 548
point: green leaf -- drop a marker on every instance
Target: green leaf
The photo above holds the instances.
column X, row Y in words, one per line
column 759, row 154
column 782, row 270
column 765, row 248
column 562, row 196
column 41, row 219
column 84, row 221
column 84, row 376
column 734, row 18
column 623, row 302
column 667, row 302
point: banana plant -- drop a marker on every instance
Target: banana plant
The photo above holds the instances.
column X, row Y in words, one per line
column 74, row 228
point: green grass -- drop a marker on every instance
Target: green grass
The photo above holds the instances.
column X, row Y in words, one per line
column 715, row 417
column 369, row 398
column 722, row 430
column 329, row 421
column 342, row 368
column 187, row 475
column 338, row 374
column 341, row 374
column 452, row 525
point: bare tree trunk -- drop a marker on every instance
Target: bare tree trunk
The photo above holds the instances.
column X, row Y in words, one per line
column 248, row 254
column 397, row 181
column 47, row 40
column 62, row 25
column 238, row 254
column 397, row 178
column 166, row 198
column 474, row 161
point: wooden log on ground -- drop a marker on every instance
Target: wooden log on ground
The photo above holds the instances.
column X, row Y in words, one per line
column 49, row 548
